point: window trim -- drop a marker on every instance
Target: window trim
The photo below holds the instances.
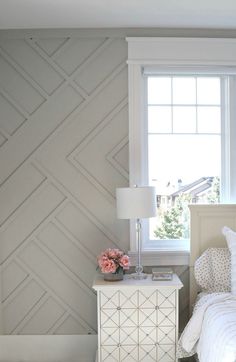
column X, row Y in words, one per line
column 209, row 55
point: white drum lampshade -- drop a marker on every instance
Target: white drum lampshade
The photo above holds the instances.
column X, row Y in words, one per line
column 136, row 203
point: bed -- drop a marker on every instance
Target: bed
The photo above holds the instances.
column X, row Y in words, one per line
column 211, row 331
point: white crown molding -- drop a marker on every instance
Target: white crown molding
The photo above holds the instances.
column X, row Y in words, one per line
column 182, row 51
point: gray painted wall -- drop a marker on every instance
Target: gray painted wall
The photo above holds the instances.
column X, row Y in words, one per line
column 63, row 151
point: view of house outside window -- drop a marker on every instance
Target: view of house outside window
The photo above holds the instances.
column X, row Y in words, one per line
column 184, row 148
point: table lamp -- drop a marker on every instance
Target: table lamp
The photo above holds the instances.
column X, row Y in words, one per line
column 136, row 203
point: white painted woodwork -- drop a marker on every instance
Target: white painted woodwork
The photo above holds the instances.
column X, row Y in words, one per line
column 161, row 54
column 137, row 319
column 182, row 51
column 70, row 348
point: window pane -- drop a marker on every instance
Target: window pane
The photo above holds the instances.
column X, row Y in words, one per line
column 185, row 157
column 159, row 119
column 209, row 119
column 184, row 119
column 208, row 90
column 183, row 171
column 159, row 90
column 184, row 90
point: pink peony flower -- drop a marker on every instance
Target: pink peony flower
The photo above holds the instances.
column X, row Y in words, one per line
column 108, row 266
column 125, row 262
column 101, row 259
column 114, row 253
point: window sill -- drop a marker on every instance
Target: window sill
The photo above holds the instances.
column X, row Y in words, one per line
column 161, row 257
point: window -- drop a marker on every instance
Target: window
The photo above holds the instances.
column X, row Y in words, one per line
column 169, row 80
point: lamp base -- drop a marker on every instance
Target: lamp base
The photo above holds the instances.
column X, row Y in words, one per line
column 139, row 276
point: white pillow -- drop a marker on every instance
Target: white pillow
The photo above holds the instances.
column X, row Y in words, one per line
column 221, row 269
column 203, row 272
column 230, row 236
column 212, row 270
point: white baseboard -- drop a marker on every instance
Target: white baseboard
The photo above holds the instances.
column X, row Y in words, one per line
column 48, row 348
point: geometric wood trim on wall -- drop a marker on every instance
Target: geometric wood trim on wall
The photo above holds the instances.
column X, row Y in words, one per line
column 63, row 151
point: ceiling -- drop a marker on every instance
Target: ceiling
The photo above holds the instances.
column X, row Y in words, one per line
column 15, row 14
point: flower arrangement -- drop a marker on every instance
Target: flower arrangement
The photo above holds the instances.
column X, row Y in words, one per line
column 113, row 261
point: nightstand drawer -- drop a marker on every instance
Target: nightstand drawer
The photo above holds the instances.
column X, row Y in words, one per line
column 166, row 353
column 110, row 336
column 110, row 353
column 167, row 298
column 166, row 335
column 166, row 317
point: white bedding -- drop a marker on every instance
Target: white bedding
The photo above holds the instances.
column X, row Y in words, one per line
column 211, row 332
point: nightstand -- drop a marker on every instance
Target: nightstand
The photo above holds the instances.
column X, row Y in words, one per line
column 137, row 319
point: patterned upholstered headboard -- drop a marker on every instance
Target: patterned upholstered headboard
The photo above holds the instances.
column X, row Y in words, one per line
column 206, row 225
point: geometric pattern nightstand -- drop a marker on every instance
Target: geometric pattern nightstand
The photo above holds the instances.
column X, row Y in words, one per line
column 137, row 320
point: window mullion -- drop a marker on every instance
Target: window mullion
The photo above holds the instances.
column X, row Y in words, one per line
column 229, row 145
column 225, row 143
column 172, row 110
column 196, row 105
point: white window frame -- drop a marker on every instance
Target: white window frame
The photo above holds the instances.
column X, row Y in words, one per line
column 183, row 55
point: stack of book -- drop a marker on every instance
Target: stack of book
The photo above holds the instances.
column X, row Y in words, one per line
column 162, row 273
